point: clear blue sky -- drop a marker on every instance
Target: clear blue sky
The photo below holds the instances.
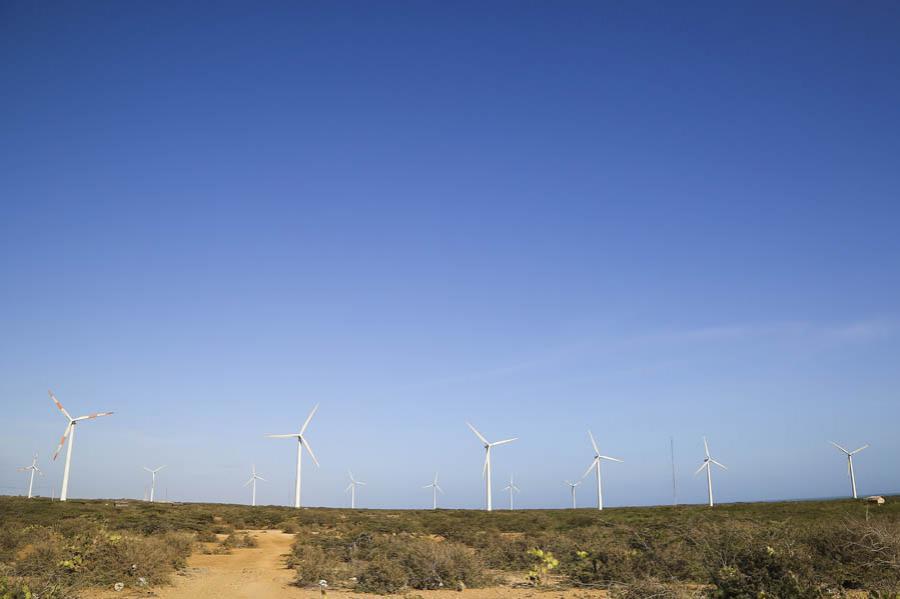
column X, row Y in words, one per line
column 645, row 219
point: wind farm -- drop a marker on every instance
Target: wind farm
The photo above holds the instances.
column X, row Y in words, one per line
column 498, row 300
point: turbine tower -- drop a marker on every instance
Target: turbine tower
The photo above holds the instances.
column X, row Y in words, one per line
column 33, row 468
column 70, row 434
column 352, row 488
column 301, row 443
column 707, row 463
column 252, row 482
column 433, row 485
column 486, row 470
column 153, row 473
column 512, row 488
column 850, row 465
column 572, row 486
column 596, row 465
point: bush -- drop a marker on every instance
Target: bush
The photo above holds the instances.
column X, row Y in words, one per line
column 652, row 589
column 382, row 576
column 312, row 564
column 206, row 536
column 235, row 541
column 289, row 526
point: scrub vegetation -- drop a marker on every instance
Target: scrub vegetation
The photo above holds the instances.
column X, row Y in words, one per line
column 788, row 550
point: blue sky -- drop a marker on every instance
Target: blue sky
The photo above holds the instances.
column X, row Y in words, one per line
column 648, row 220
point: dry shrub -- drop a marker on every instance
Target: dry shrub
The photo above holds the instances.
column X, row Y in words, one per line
column 53, row 565
column 653, row 589
column 206, row 536
column 433, row 565
column 312, row 564
column 382, row 576
column 237, row 541
column 858, row 555
column 289, row 526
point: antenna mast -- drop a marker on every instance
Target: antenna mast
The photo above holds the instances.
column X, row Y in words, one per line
column 674, row 483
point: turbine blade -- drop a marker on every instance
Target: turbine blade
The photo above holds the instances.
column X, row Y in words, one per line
column 591, row 467
column 309, row 450
column 289, row 435
column 439, row 489
column 262, row 479
column 718, row 464
column 477, row 434
column 504, row 441
column 706, row 446
column 62, row 440
column 147, row 469
column 700, row 469
column 308, row 418
column 860, row 449
column 59, row 405
column 839, row 447
column 350, row 486
column 92, row 416
column 606, row 457
column 593, row 443
column 359, row 482
column 249, row 481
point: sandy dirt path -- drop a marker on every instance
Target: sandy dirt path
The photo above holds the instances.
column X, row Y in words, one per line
column 260, row 573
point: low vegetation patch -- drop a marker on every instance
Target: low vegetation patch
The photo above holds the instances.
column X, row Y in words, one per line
column 787, row 550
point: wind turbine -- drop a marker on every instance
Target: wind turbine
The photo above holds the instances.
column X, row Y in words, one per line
column 352, row 488
column 301, row 443
column 512, row 488
column 70, row 433
column 486, row 470
column 433, row 485
column 596, row 464
column 573, row 486
column 153, row 474
column 707, row 463
column 850, row 464
column 252, row 481
column 33, row 468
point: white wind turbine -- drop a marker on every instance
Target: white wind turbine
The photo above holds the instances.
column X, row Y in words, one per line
column 850, row 465
column 252, row 481
column 70, row 434
column 352, row 488
column 33, row 468
column 301, row 443
column 486, row 470
column 573, row 486
column 512, row 488
column 596, row 465
column 707, row 463
column 153, row 473
column 433, row 485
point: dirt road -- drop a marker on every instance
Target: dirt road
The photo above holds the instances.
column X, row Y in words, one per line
column 260, row 573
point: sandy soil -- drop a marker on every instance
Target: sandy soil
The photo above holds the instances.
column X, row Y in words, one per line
column 260, row 573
